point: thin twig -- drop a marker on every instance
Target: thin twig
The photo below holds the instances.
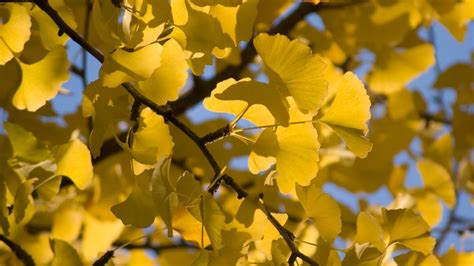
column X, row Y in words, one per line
column 289, row 238
column 447, row 228
column 20, row 253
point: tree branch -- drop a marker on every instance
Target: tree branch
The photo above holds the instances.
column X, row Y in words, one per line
column 289, row 238
column 140, row 98
column 447, row 228
column 20, row 253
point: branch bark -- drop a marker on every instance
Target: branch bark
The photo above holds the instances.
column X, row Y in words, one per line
column 289, row 238
column 20, row 253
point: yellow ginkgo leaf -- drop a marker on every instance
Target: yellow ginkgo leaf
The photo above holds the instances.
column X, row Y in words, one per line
column 213, row 220
column 369, row 256
column 67, row 221
column 106, row 107
column 349, row 113
column 73, row 160
column 322, row 209
column 405, row 226
column 441, row 150
column 189, row 23
column 14, row 30
column 294, row 69
column 417, row 259
column 138, row 209
column 424, row 243
column 165, row 199
column 393, row 70
column 5, row 225
column 254, row 92
column 108, row 231
column 237, row 21
column 166, row 81
column 429, row 206
column 257, row 114
column 264, row 233
column 230, row 254
column 152, row 142
column 457, row 19
column 452, row 257
column 141, row 257
column 401, row 104
column 369, row 231
column 297, row 158
column 41, row 81
column 23, row 198
column 263, row 152
column 217, row 2
column 189, row 227
column 64, row 254
column 26, row 147
column 438, row 180
column 126, row 66
column 46, row 28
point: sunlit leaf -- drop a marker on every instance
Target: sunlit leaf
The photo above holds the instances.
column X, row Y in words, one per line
column 393, row 70
column 165, row 199
column 138, row 208
column 263, row 152
column 41, row 81
column 152, row 141
column 254, row 92
column 294, row 69
column 64, row 254
column 369, row 231
column 213, row 220
column 322, row 209
column 349, row 113
column 438, row 180
column 169, row 77
column 15, row 32
column 126, row 66
column 73, row 160
column 26, row 147
column 23, row 198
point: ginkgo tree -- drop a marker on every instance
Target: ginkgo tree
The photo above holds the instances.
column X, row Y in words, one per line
column 136, row 176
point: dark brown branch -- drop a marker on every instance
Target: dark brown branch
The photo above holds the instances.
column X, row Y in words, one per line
column 20, row 253
column 429, row 117
column 289, row 238
column 86, row 37
column 76, row 70
column 449, row 224
column 160, row 248
column 217, row 135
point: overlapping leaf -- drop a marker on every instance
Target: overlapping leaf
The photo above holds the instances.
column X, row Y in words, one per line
column 294, row 69
column 41, row 81
column 322, row 209
column 15, row 32
column 349, row 113
column 73, row 160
